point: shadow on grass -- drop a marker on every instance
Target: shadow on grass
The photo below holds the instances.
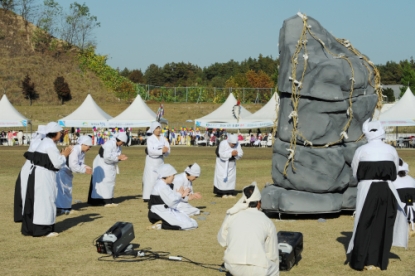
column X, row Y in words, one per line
column 81, row 205
column 345, row 239
column 74, row 221
column 125, row 198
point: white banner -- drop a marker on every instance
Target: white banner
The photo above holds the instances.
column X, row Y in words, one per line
column 129, row 124
column 13, row 123
column 243, row 125
column 398, row 123
column 79, row 123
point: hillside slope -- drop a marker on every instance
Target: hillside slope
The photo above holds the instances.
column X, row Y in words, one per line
column 20, row 55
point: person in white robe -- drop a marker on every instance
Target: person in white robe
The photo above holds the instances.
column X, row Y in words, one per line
column 105, row 170
column 39, row 212
column 227, row 153
column 163, row 212
column 405, row 186
column 22, row 178
column 157, row 148
column 380, row 220
column 75, row 164
column 250, row 237
column 185, row 180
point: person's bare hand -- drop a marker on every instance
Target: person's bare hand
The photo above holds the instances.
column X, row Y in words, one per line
column 184, row 192
column 234, row 153
column 165, row 149
column 88, row 170
column 66, row 151
column 122, row 157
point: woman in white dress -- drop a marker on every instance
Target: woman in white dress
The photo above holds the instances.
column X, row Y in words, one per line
column 21, row 182
column 185, row 180
column 227, row 153
column 39, row 212
column 75, row 164
column 157, row 148
column 105, row 169
column 163, row 212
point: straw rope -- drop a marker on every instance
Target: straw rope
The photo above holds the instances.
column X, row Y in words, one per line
column 297, row 85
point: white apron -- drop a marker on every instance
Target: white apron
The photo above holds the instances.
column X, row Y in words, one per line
column 105, row 171
column 24, row 176
column 103, row 179
column 154, row 159
column 225, row 169
column 150, row 174
column 44, row 208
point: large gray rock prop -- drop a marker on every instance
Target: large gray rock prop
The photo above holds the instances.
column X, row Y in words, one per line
column 322, row 180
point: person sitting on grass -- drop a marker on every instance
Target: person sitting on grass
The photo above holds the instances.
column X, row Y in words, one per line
column 163, row 212
column 185, row 180
column 250, row 237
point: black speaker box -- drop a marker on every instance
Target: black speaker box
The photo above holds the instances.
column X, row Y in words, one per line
column 290, row 245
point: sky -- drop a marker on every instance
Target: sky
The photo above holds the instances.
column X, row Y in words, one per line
column 137, row 33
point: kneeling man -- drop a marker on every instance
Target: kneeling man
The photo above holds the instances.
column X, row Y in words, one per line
column 250, row 237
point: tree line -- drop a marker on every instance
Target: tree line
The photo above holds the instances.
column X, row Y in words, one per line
column 74, row 26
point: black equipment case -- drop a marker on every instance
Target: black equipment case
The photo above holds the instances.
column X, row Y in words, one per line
column 290, row 246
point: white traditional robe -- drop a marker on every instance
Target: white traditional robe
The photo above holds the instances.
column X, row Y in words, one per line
column 171, row 214
column 24, row 176
column 251, row 243
column 154, row 159
column 180, row 180
column 407, row 183
column 75, row 164
column 225, row 170
column 44, row 209
column 376, row 150
column 105, row 170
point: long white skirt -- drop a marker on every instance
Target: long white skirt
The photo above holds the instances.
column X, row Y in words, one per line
column 220, row 174
column 150, row 175
column 103, row 179
column 174, row 217
column 44, row 208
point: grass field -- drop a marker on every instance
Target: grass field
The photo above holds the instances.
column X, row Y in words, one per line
column 73, row 253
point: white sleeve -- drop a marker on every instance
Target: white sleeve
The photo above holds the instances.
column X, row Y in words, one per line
column 57, row 159
column 111, row 153
column 240, row 152
column 153, row 147
column 166, row 144
column 170, row 197
column 225, row 151
column 74, row 163
column 223, row 232
column 355, row 162
column 271, row 244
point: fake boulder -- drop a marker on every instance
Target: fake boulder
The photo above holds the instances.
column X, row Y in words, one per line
column 327, row 90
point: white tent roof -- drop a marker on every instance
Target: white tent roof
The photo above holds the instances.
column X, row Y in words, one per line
column 402, row 113
column 138, row 114
column 223, row 116
column 266, row 116
column 9, row 116
column 88, row 114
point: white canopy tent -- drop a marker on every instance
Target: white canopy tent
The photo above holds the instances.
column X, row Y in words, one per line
column 88, row 114
column 223, row 116
column 265, row 117
column 138, row 114
column 9, row 116
column 402, row 113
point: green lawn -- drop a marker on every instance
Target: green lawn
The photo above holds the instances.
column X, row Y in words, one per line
column 73, row 253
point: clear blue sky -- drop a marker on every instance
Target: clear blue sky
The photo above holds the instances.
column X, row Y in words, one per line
column 137, row 33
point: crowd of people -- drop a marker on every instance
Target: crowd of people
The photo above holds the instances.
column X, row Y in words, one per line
column 44, row 189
